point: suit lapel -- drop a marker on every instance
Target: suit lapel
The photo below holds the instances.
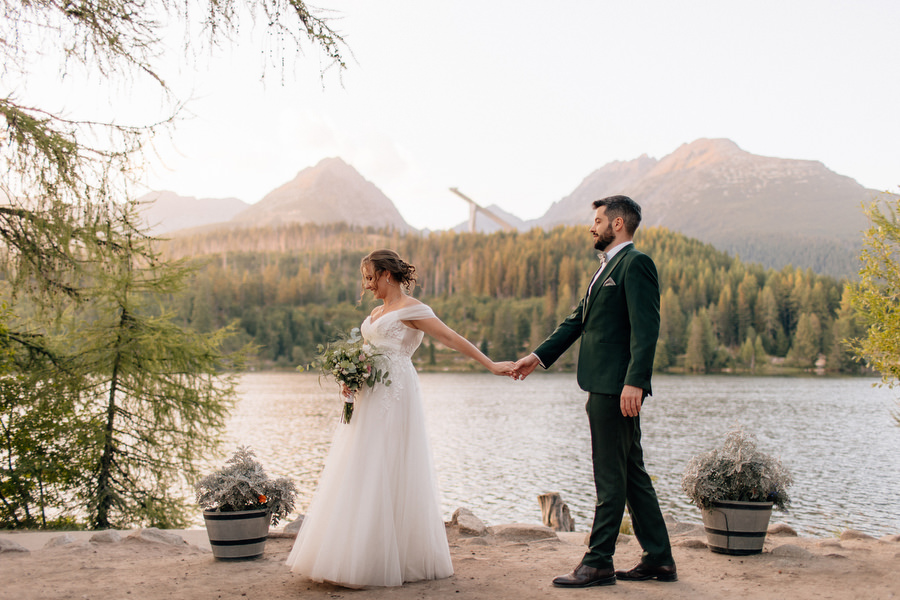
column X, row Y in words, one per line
column 607, row 271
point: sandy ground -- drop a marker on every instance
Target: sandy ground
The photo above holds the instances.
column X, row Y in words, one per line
column 490, row 567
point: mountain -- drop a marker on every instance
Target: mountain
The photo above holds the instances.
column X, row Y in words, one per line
column 330, row 192
column 618, row 175
column 164, row 212
column 773, row 211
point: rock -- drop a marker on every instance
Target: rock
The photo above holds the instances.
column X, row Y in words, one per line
column 853, row 534
column 829, row 543
column 555, row 513
column 792, row 551
column 781, row 529
column 521, row 532
column 669, row 518
column 294, row 526
column 157, row 536
column 454, row 520
column 684, row 529
column 624, row 538
column 60, row 540
column 110, row 536
column 7, row 545
column 689, row 543
column 890, row 538
column 467, row 523
column 471, row 525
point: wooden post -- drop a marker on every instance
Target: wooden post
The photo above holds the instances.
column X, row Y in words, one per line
column 555, row 513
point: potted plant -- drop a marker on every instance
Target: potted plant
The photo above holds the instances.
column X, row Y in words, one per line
column 239, row 502
column 736, row 486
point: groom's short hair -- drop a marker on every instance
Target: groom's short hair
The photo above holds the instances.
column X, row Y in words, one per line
column 621, row 206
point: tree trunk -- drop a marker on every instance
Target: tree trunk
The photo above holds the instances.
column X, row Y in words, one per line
column 104, row 484
column 555, row 513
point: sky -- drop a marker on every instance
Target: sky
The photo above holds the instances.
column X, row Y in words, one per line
column 516, row 101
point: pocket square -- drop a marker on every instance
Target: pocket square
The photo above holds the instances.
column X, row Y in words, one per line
column 609, row 281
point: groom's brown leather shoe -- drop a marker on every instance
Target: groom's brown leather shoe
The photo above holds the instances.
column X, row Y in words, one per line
column 643, row 572
column 585, row 576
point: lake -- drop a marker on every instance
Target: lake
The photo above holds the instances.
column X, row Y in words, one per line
column 499, row 443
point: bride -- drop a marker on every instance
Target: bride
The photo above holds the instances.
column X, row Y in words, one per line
column 375, row 518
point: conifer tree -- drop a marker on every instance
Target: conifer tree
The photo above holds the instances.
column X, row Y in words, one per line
column 875, row 296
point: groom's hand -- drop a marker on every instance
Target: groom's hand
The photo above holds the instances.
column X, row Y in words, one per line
column 524, row 366
column 631, row 400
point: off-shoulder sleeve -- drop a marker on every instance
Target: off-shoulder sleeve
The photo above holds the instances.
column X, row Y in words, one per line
column 416, row 312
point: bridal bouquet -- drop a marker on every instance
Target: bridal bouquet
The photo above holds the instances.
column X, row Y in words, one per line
column 351, row 362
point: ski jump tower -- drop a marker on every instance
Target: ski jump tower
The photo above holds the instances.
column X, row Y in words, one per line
column 475, row 208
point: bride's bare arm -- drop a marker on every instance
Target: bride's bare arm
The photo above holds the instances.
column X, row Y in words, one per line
column 446, row 336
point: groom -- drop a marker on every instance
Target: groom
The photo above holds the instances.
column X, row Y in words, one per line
column 618, row 324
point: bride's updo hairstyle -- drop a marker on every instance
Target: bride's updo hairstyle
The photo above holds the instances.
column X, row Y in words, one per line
column 382, row 261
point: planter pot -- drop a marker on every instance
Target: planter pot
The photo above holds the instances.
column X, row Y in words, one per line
column 237, row 534
column 737, row 527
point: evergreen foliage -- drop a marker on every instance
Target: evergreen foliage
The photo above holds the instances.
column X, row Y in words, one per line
column 293, row 287
column 876, row 297
column 106, row 401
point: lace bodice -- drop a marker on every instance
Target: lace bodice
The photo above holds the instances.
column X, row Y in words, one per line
column 392, row 338
column 396, row 343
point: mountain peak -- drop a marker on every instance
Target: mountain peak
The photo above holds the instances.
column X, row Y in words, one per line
column 701, row 153
column 332, row 191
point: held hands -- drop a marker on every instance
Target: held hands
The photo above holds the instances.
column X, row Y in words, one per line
column 525, row 366
column 506, row 367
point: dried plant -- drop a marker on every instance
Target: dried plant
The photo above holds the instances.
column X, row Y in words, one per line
column 737, row 471
column 244, row 485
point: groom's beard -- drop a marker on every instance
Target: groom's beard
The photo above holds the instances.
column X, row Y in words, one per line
column 605, row 239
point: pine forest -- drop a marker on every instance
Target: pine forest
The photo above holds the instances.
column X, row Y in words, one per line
column 291, row 288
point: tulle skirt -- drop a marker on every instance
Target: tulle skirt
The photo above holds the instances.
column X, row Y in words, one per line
column 375, row 518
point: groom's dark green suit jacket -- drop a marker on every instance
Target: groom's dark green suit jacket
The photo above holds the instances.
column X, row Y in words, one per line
column 618, row 324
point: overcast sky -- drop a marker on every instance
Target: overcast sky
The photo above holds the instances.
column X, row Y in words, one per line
column 515, row 102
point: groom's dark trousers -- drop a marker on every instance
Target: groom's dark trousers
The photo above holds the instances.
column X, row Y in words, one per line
column 618, row 325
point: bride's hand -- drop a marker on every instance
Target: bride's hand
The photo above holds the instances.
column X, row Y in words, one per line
column 345, row 391
column 507, row 368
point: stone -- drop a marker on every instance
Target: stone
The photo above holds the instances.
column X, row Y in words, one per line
column 890, row 538
column 829, row 543
column 454, row 520
column 791, row 551
column 157, row 536
column 555, row 513
column 690, row 542
column 471, row 525
column 623, row 539
column 467, row 523
column 686, row 529
column 781, row 529
column 294, row 526
column 110, row 536
column 60, row 540
column 521, row 532
column 7, row 545
column 853, row 534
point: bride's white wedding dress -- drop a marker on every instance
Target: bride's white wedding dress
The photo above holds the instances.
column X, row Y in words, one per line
column 375, row 518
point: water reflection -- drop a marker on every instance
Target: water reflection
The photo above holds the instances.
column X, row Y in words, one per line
column 498, row 444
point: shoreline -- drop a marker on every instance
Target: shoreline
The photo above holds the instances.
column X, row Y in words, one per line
column 508, row 562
